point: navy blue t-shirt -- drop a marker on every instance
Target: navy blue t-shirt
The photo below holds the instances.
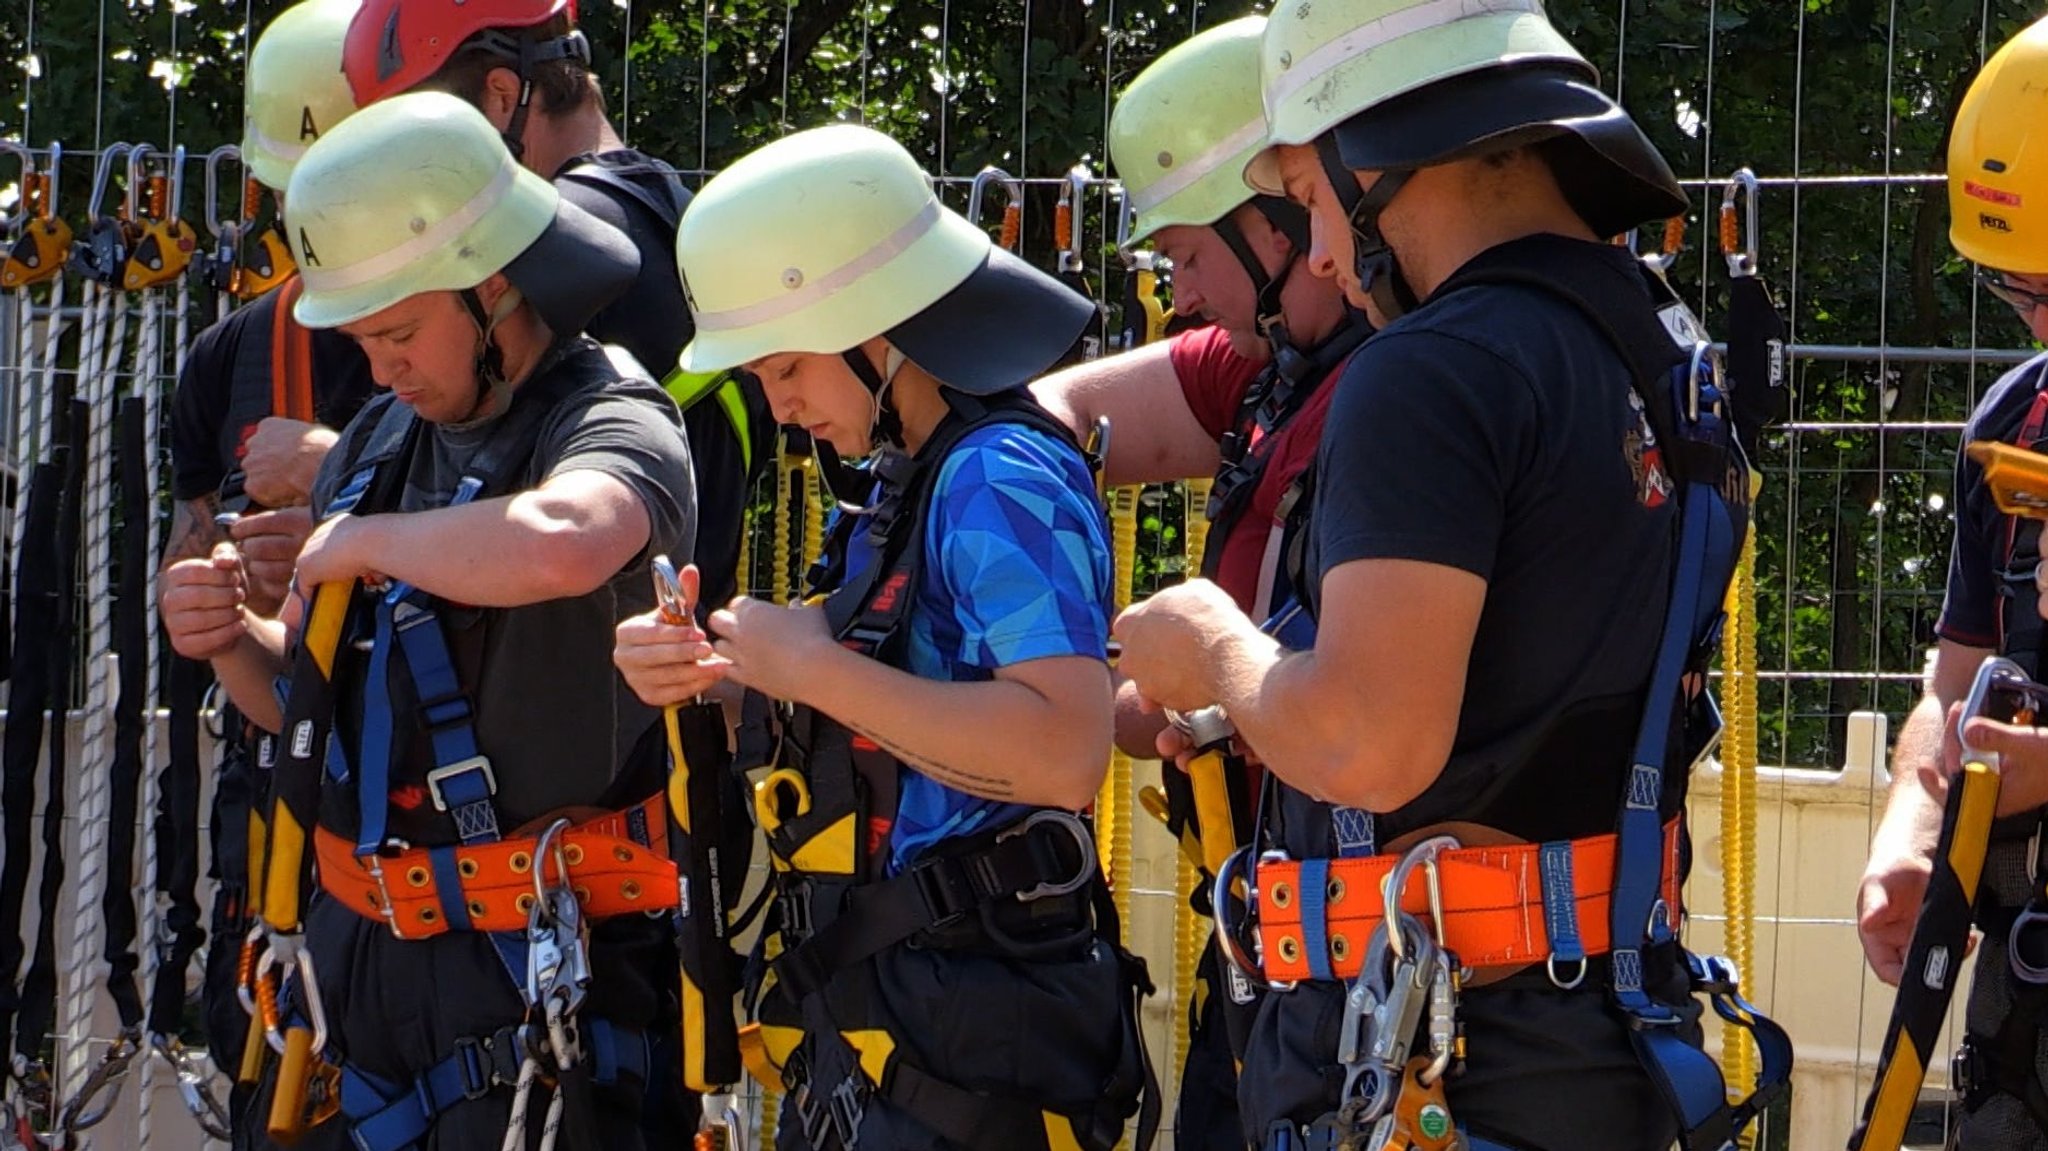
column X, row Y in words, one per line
column 1973, row 612
column 1498, row 431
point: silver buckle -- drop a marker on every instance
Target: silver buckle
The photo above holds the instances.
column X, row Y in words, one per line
column 1082, row 839
column 460, row 767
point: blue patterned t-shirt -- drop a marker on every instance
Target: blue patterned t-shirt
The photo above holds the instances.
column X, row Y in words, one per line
column 1016, row 567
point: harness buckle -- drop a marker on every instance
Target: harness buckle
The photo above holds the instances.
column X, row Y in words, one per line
column 1083, row 841
column 2031, row 920
column 438, row 778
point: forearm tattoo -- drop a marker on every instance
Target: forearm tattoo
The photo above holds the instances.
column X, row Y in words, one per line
column 986, row 786
column 193, row 532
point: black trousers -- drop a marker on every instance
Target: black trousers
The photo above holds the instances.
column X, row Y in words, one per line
column 1050, row 1032
column 1546, row 1070
column 397, row 1007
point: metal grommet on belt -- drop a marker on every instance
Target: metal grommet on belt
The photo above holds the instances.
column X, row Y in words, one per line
column 1335, row 892
column 1290, row 948
column 1340, row 948
column 573, row 853
column 476, row 909
column 630, row 889
column 417, row 876
column 519, row 862
column 429, row 915
column 621, row 853
column 1282, row 895
column 467, row 866
column 524, row 903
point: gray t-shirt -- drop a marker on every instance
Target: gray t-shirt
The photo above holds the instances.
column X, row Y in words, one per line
column 551, row 712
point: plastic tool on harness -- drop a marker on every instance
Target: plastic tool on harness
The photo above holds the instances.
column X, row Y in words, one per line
column 1013, row 207
column 1144, row 318
column 1934, row 959
column 709, row 976
column 1072, row 266
column 1762, row 393
column 37, row 253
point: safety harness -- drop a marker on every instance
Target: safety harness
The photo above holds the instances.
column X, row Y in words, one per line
column 1028, row 891
column 533, row 896
column 1326, row 919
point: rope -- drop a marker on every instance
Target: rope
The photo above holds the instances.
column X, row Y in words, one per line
column 1738, row 804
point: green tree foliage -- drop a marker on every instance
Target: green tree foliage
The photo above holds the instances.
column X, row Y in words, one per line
column 1856, row 515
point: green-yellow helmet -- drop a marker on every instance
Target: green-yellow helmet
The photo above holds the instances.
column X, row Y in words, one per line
column 1183, row 131
column 418, row 194
column 295, row 90
column 825, row 239
column 1321, row 64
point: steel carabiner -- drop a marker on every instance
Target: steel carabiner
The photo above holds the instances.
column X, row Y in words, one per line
column 1739, row 245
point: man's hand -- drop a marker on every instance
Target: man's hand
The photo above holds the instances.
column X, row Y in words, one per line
column 335, row 553
column 281, row 460
column 2022, row 753
column 771, row 649
column 1167, row 643
column 270, row 543
column 202, row 604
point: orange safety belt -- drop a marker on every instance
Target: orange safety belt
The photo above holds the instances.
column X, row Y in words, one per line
column 291, row 358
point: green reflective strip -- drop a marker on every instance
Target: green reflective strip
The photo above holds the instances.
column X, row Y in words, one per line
column 688, row 389
column 735, row 405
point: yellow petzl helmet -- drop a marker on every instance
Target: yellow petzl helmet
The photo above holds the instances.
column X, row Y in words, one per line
column 825, row 239
column 1183, row 131
column 417, row 194
column 295, row 90
column 1997, row 187
column 1323, row 63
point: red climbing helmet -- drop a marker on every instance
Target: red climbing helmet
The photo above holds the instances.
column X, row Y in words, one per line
column 393, row 45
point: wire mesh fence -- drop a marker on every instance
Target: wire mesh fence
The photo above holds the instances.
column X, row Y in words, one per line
column 1840, row 107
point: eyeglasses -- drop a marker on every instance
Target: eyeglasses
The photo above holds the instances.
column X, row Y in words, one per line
column 2018, row 299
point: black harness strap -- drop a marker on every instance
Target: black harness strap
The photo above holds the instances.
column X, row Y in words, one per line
column 1283, row 388
column 132, row 635
column 39, row 987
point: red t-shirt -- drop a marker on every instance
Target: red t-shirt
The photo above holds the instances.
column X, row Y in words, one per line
column 1214, row 379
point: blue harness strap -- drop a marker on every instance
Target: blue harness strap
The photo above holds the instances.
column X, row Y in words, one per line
column 384, row 1115
column 1709, row 541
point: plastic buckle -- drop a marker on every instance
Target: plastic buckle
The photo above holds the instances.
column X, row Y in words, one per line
column 472, row 1058
column 1085, row 842
column 1962, row 1076
column 440, row 775
column 847, row 1104
column 936, row 888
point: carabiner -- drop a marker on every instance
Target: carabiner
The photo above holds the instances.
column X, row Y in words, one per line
column 29, row 175
column 213, row 162
column 1236, row 872
column 1739, row 245
column 102, row 1088
column 549, row 845
column 1994, row 675
column 1084, row 843
column 1662, row 260
column 979, row 187
column 132, row 204
column 194, row 1085
column 1067, row 220
column 1423, row 854
column 668, row 591
column 1209, row 727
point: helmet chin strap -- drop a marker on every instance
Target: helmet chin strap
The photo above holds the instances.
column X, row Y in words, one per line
column 493, row 390
column 1379, row 273
column 885, row 427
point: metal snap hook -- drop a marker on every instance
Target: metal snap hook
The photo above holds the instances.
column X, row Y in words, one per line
column 1424, row 855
